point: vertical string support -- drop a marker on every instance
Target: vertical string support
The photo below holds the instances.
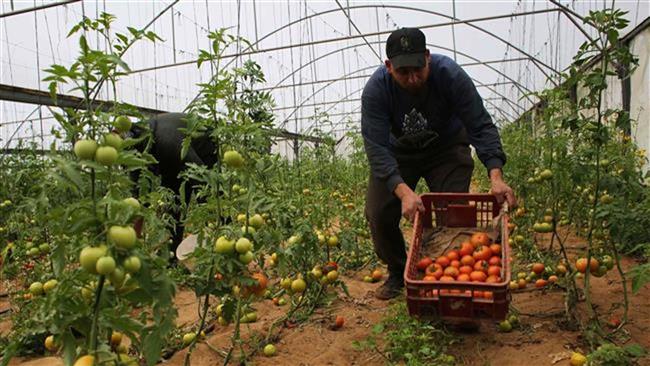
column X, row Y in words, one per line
column 453, row 29
column 296, row 148
column 173, row 35
column 38, row 76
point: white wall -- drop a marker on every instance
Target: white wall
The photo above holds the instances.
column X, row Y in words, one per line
column 640, row 93
column 640, row 101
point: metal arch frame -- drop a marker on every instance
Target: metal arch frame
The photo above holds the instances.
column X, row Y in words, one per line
column 306, row 83
column 288, row 117
column 538, row 63
column 519, row 86
column 36, row 8
column 347, row 98
column 286, row 120
column 367, row 76
column 525, row 92
column 246, row 51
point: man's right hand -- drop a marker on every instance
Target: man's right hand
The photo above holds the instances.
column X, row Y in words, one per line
column 411, row 202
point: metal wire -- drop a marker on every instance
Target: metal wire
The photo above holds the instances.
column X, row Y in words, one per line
column 347, row 14
column 538, row 63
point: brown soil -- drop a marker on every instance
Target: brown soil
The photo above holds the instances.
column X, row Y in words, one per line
column 540, row 339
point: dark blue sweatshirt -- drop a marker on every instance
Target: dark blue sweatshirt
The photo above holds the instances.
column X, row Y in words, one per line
column 395, row 123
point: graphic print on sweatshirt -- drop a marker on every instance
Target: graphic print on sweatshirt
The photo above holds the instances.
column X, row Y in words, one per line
column 414, row 123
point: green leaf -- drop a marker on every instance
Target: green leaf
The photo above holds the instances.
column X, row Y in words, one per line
column 122, row 37
column 69, row 349
column 9, row 352
column 152, row 347
column 58, row 258
column 153, row 36
column 73, row 30
column 70, row 173
column 52, row 88
column 83, row 44
column 119, row 62
column 135, row 32
column 640, row 277
column 635, row 350
column 612, row 36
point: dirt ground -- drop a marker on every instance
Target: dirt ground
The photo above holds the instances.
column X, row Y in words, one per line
column 538, row 341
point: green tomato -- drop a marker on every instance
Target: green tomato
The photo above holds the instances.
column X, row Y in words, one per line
column 285, row 283
column 127, row 360
column 224, row 246
column 246, row 257
column 122, row 236
column 50, row 345
column 269, row 350
column 602, row 270
column 249, row 318
column 256, row 221
column 317, row 273
column 608, row 261
column 113, row 139
column 546, row 174
column 105, row 265
column 50, row 285
column 298, row 285
column 36, row 288
column 243, row 245
column 132, row 264
column 188, row 338
column 44, row 248
column 122, row 123
column 117, row 277
column 333, row 241
column 133, row 202
column 87, row 292
column 85, row 149
column 106, row 155
column 332, row 276
column 505, row 326
column 513, row 319
column 233, row 159
column 251, row 230
column 34, row 252
column 89, row 256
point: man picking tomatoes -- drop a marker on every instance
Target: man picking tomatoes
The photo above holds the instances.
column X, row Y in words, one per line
column 165, row 146
column 419, row 113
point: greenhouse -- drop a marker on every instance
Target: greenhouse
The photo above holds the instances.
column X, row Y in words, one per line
column 324, row 182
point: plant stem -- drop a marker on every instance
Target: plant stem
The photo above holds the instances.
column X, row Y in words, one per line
column 206, row 305
column 235, row 337
column 93, row 328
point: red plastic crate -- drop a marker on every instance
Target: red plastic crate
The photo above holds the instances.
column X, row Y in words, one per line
column 456, row 301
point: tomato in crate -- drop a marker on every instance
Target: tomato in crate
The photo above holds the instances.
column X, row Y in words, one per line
column 469, row 280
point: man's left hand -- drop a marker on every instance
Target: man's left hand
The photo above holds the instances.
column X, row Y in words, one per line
column 501, row 190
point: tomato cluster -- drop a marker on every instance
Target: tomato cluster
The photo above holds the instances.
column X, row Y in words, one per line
column 475, row 260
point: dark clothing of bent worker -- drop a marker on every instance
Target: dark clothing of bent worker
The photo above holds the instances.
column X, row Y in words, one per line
column 166, row 149
column 408, row 137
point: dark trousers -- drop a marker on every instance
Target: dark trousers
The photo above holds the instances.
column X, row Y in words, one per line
column 448, row 171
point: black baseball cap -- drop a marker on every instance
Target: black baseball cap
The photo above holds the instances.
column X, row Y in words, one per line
column 406, row 47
